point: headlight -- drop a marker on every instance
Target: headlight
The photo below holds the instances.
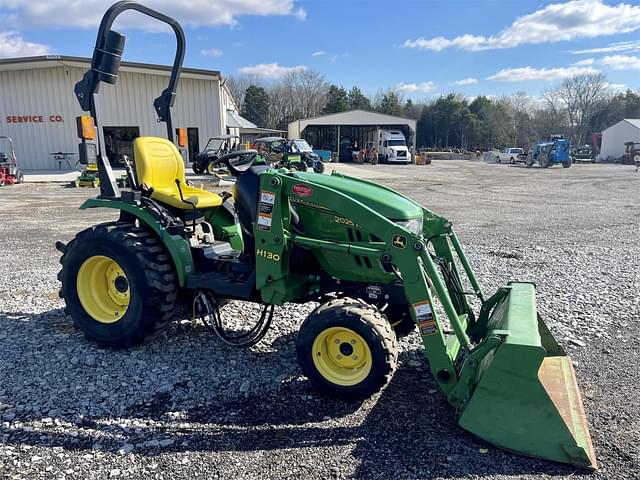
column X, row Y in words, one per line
column 414, row 225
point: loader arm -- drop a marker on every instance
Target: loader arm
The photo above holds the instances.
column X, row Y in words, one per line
column 508, row 379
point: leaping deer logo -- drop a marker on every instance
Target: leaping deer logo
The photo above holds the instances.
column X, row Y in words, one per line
column 399, row 241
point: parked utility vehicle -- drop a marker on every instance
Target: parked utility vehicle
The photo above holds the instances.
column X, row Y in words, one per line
column 215, row 148
column 511, row 155
column 301, row 147
column 556, row 151
column 276, row 152
column 392, row 146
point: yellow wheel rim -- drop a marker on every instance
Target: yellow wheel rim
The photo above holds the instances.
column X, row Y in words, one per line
column 342, row 356
column 103, row 289
column 211, row 169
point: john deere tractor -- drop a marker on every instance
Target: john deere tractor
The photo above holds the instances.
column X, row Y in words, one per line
column 377, row 263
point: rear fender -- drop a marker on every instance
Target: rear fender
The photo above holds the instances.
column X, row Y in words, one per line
column 176, row 245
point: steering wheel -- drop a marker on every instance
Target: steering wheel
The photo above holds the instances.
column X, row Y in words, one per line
column 238, row 161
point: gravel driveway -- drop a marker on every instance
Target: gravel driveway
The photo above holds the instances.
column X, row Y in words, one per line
column 184, row 405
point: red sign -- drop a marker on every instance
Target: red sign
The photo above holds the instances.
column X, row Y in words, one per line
column 34, row 119
column 302, row 190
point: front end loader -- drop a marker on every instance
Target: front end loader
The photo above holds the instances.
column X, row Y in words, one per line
column 378, row 264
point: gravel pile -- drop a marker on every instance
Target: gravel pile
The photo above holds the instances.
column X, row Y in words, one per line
column 184, row 405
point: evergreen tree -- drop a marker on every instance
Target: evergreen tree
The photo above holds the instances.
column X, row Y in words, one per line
column 357, row 100
column 256, row 105
column 389, row 104
column 337, row 100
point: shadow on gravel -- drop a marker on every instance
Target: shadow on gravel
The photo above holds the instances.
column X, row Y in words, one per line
column 409, row 430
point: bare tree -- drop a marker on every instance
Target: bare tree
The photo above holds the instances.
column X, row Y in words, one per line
column 238, row 85
column 282, row 108
column 552, row 118
column 308, row 91
column 581, row 96
column 522, row 109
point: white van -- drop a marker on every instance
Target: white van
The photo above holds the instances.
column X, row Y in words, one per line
column 392, row 147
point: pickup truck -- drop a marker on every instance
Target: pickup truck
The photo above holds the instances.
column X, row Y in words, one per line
column 511, row 155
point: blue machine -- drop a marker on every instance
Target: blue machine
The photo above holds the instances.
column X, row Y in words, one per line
column 556, row 150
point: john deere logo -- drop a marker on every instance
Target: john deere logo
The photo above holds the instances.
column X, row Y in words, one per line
column 302, row 190
column 399, row 241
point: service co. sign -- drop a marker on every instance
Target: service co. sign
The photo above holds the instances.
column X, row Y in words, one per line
column 34, row 119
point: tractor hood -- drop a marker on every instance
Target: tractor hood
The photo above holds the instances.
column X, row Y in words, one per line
column 386, row 202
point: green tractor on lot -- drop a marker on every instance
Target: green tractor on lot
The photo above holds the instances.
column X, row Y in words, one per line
column 377, row 263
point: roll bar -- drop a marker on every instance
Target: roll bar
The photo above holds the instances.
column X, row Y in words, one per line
column 105, row 65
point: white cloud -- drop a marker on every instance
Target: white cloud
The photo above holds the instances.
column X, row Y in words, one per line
column 622, row 62
column 87, row 13
column 466, row 81
column 615, row 62
column 13, row 45
column 422, row 87
column 628, row 46
column 211, row 52
column 270, row 70
column 529, row 73
column 616, row 86
column 553, row 23
column 319, row 53
column 300, row 14
column 585, row 62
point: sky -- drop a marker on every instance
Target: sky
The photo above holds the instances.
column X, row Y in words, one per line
column 422, row 48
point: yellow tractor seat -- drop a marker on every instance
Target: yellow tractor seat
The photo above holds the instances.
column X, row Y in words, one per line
column 158, row 165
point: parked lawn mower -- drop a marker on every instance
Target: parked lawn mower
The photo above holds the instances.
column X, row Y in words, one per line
column 215, row 148
column 372, row 258
column 9, row 171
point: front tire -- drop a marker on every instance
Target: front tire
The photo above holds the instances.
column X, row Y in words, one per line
column 512, row 160
column 318, row 167
column 197, row 169
column 118, row 283
column 347, row 349
column 568, row 163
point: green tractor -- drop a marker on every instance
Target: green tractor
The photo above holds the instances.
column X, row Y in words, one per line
column 377, row 264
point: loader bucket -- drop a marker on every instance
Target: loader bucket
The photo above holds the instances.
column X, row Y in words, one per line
column 526, row 398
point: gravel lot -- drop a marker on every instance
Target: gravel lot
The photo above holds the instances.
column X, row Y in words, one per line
column 184, row 405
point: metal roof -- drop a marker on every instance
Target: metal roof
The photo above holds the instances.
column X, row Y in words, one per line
column 235, row 120
column 44, row 61
column 355, row 117
column 633, row 121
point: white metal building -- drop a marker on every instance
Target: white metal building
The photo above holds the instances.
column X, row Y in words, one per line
column 614, row 138
column 38, row 107
column 327, row 132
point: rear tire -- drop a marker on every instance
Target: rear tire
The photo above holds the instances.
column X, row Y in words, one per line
column 512, row 160
column 118, row 284
column 347, row 349
column 19, row 177
column 498, row 160
column 568, row 163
